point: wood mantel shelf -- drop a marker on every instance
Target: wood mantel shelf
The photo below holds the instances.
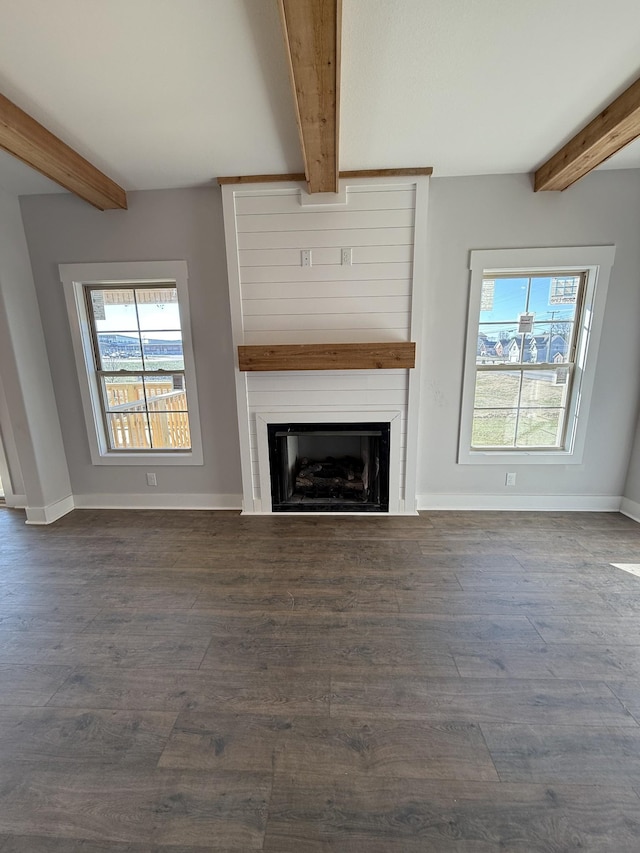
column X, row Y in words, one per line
column 370, row 356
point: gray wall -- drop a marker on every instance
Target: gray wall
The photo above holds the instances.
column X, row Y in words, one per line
column 464, row 214
column 159, row 225
column 30, row 416
column 503, row 212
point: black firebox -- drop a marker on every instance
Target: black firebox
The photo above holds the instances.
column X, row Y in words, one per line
column 329, row 467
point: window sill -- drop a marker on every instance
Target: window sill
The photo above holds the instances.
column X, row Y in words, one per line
column 520, row 457
column 155, row 459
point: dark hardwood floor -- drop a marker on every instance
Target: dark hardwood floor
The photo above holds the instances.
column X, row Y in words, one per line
column 191, row 682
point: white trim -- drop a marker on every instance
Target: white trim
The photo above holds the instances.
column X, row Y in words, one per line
column 10, row 473
column 254, row 503
column 74, row 277
column 342, row 416
column 15, row 501
column 159, row 501
column 521, row 503
column 51, row 512
column 630, row 508
column 235, row 305
column 6, row 495
column 325, row 200
column 597, row 262
column 360, row 183
column 418, row 292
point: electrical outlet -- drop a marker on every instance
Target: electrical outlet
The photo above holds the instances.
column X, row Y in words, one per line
column 305, row 257
column 151, row 480
column 347, row 257
column 510, row 480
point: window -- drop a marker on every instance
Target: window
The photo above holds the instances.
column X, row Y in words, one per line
column 131, row 336
column 534, row 325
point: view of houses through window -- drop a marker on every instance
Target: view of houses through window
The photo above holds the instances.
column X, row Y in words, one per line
column 137, row 343
column 525, row 359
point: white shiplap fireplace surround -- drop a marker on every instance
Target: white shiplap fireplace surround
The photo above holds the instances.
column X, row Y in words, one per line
column 364, row 284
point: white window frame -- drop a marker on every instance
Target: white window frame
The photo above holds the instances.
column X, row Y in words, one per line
column 74, row 278
column 596, row 262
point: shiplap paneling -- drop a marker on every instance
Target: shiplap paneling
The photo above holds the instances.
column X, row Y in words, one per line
column 343, row 305
column 283, row 302
column 326, row 272
column 324, row 220
column 312, row 399
column 289, row 322
column 333, row 237
column 361, row 255
column 329, row 289
column 325, row 336
column 289, row 202
column 356, row 380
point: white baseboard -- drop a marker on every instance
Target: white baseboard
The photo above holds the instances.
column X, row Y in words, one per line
column 49, row 513
column 157, row 501
column 630, row 508
column 523, row 503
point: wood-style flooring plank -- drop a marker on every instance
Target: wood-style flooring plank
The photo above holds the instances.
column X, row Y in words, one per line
column 135, row 650
column 616, row 630
column 217, row 741
column 625, row 603
column 478, row 700
column 33, row 844
column 439, row 629
column 296, row 597
column 557, row 563
column 270, row 691
column 24, row 684
column 362, row 665
column 134, row 594
column 561, row 581
column 564, row 754
column 349, row 748
column 628, row 692
column 60, row 736
column 423, row 600
column 547, row 660
column 160, row 807
column 391, row 816
column 15, row 617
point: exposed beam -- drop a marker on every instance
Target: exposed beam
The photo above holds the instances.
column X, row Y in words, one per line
column 32, row 143
column 616, row 126
column 312, row 33
column 363, row 173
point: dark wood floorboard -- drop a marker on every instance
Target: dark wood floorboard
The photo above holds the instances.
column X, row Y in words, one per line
column 196, row 681
column 549, row 754
column 416, row 816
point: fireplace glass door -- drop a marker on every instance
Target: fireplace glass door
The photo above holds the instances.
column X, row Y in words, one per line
column 329, row 467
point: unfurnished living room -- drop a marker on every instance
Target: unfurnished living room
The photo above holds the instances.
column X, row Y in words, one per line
column 319, row 443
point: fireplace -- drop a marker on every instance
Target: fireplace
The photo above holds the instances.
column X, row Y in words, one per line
column 329, row 467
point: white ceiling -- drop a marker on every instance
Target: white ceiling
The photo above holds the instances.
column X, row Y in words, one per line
column 160, row 93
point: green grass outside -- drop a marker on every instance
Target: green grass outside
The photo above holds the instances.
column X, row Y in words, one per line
column 496, row 402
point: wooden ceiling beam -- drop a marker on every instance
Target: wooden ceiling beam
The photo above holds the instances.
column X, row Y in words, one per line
column 32, row 143
column 616, row 126
column 312, row 31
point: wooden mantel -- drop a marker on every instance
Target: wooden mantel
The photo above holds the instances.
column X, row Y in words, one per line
column 369, row 356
